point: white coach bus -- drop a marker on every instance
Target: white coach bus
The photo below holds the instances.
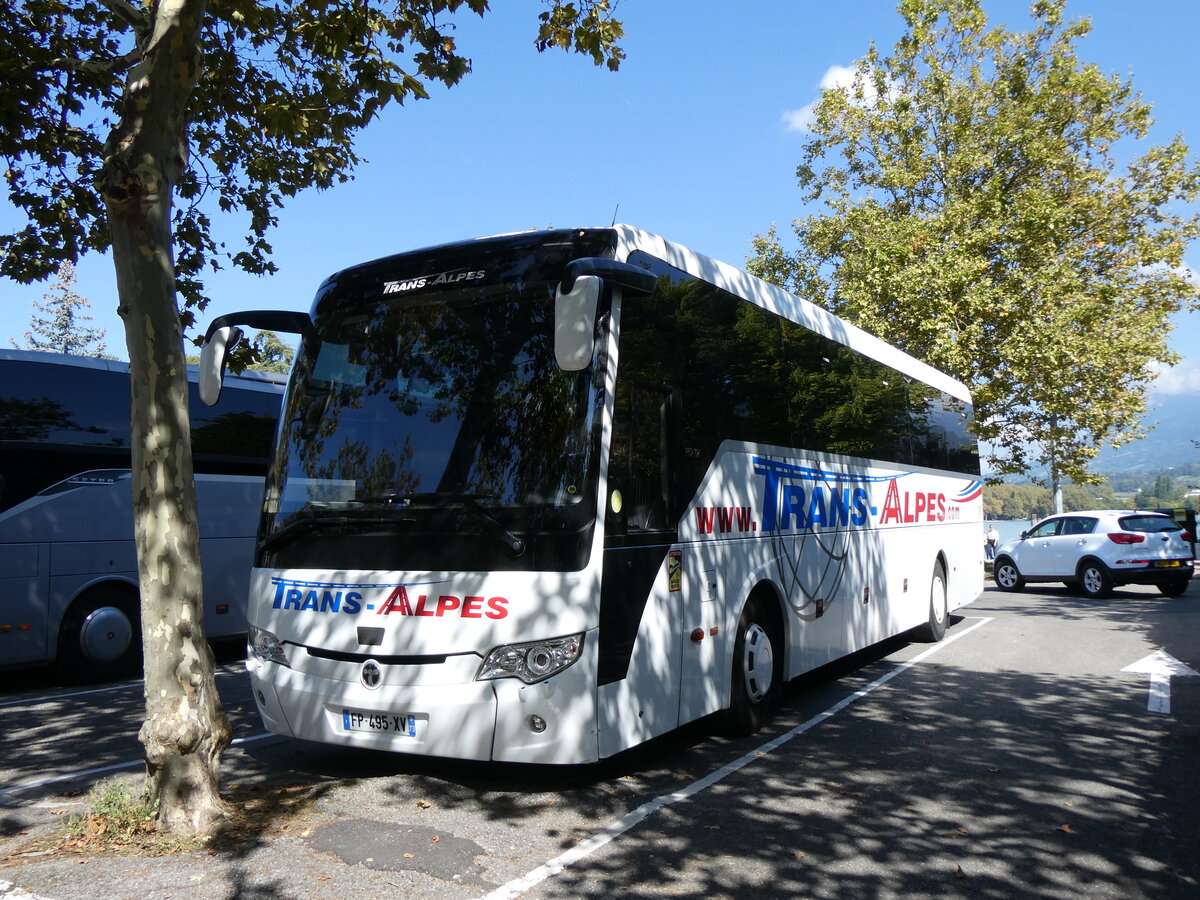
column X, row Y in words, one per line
column 68, row 565
column 544, row 496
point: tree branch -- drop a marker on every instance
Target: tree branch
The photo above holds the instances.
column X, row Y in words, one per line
column 112, row 66
column 136, row 18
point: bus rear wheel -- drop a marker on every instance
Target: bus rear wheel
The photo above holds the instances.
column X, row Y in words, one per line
column 757, row 670
column 939, row 608
column 100, row 638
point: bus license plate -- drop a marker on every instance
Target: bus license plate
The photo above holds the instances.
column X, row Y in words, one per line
column 1168, row 563
column 379, row 723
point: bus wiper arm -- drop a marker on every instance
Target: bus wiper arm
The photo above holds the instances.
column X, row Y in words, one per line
column 308, row 524
column 469, row 502
column 293, row 530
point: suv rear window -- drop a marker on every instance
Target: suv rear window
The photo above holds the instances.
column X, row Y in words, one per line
column 1149, row 524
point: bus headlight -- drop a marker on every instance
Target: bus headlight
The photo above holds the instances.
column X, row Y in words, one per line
column 263, row 645
column 531, row 662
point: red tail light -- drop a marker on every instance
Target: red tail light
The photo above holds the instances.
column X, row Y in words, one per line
column 1187, row 536
column 1124, row 537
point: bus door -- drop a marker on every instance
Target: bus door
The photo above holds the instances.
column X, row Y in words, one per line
column 639, row 641
column 24, row 617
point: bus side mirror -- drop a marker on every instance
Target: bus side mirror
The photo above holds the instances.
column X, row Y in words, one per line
column 576, row 300
column 212, row 361
column 223, row 334
column 575, row 323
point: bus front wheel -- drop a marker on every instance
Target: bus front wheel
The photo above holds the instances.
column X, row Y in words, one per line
column 100, row 638
column 757, row 669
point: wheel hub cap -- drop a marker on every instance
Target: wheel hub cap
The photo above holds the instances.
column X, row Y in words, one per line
column 758, row 661
column 105, row 635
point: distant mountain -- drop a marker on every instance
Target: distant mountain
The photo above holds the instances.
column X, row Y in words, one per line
column 1170, row 443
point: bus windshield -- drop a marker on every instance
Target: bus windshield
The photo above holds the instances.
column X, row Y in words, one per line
column 433, row 429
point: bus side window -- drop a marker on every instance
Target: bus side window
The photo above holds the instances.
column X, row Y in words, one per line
column 639, row 463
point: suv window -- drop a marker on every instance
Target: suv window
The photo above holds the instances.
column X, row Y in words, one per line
column 1046, row 529
column 1078, row 525
column 1149, row 524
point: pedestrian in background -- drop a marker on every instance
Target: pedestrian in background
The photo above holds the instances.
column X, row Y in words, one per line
column 991, row 542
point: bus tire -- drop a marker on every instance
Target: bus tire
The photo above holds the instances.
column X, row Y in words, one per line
column 100, row 637
column 757, row 669
column 939, row 607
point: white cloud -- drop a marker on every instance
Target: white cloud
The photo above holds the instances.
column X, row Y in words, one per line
column 1182, row 379
column 837, row 77
column 834, row 77
column 798, row 119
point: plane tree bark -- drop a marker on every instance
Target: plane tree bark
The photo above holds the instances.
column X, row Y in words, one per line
column 185, row 731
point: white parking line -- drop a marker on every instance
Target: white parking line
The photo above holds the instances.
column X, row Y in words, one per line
column 616, row 829
column 100, row 770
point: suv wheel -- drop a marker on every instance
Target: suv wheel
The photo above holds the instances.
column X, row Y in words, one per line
column 1173, row 588
column 1006, row 575
column 1094, row 579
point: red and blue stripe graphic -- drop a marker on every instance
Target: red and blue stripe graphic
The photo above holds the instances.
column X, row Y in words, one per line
column 972, row 491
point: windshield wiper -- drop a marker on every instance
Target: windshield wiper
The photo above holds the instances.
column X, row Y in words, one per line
column 448, row 500
column 310, row 523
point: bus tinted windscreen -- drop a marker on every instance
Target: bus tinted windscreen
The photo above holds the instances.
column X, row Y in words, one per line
column 430, row 426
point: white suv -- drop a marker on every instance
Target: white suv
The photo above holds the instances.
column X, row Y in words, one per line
column 1099, row 550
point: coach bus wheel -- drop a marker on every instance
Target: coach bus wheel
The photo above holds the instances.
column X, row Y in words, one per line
column 100, row 638
column 939, row 608
column 757, row 670
column 1006, row 575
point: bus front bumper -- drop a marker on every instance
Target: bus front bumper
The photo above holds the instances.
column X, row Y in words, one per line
column 552, row 722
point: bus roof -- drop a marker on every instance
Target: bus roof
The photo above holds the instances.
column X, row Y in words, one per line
column 252, row 379
column 789, row 306
column 725, row 276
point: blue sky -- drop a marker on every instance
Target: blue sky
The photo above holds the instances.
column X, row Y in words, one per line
column 690, row 139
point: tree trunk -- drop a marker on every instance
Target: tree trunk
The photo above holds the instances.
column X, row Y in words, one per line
column 185, row 732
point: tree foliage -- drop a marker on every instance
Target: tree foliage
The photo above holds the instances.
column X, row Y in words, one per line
column 1027, row 502
column 976, row 214
column 111, row 112
column 274, row 354
column 62, row 325
column 278, row 100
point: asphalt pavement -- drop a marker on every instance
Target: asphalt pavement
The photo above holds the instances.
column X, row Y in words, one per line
column 1015, row 758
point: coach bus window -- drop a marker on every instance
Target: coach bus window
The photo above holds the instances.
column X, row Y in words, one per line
column 69, row 405
column 749, row 375
column 240, row 427
column 941, row 429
